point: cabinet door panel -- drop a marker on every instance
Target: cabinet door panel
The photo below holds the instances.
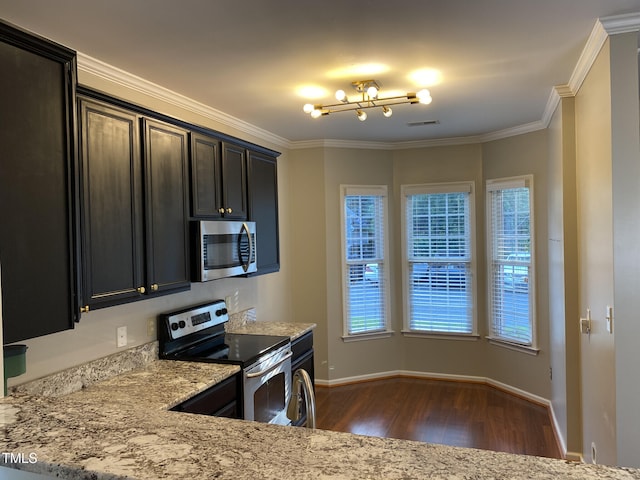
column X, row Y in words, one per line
column 113, row 250
column 263, row 209
column 37, row 164
column 166, row 194
column 234, row 181
column 206, row 196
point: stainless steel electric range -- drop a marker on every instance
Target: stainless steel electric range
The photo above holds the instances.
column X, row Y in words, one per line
column 197, row 334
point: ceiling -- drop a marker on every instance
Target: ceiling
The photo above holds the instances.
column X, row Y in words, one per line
column 497, row 60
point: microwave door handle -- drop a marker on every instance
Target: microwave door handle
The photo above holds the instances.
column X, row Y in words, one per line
column 245, row 229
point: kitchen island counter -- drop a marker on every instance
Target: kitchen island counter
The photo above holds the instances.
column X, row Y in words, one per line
column 121, row 428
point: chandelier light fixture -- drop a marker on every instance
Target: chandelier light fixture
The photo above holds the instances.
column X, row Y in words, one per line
column 370, row 98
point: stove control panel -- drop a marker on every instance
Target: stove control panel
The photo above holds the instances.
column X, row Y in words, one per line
column 192, row 320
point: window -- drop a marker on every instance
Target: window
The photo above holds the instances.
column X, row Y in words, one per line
column 438, row 252
column 365, row 286
column 510, row 260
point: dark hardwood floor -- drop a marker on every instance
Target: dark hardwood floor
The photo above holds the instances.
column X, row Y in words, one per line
column 435, row 411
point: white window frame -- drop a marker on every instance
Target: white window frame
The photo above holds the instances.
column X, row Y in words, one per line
column 493, row 261
column 435, row 188
column 366, row 190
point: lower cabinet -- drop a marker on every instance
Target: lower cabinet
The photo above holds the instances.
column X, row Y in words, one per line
column 221, row 400
column 302, row 348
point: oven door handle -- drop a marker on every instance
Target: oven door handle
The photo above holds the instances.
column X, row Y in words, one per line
column 262, row 372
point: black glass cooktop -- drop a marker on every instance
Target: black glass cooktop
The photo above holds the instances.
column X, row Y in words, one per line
column 232, row 348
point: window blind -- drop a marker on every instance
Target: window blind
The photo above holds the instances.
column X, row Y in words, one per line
column 364, row 262
column 438, row 253
column 510, row 262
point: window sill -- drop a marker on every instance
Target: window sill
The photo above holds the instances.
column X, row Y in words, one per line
column 441, row 336
column 367, row 336
column 529, row 350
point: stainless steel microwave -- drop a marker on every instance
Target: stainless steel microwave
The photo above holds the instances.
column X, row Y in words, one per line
column 223, row 249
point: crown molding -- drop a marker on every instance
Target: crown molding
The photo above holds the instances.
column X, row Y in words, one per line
column 625, row 23
column 125, row 79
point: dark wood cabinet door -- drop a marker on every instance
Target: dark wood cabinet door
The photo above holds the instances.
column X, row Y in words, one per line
column 234, row 181
column 166, row 177
column 38, row 236
column 206, row 195
column 113, row 233
column 262, row 180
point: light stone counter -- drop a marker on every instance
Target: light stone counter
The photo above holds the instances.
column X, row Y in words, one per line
column 293, row 330
column 120, row 428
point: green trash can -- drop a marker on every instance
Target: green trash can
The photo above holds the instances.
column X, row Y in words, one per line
column 15, row 362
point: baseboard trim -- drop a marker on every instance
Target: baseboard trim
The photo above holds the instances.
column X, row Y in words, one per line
column 573, row 456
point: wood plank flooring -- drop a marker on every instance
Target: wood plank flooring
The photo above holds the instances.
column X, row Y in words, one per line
column 435, row 411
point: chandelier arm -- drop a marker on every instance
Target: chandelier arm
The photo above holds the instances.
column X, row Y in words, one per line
column 352, row 106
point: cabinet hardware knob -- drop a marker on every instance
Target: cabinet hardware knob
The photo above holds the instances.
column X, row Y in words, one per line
column 229, row 210
column 221, row 210
column 154, row 287
column 141, row 289
column 84, row 309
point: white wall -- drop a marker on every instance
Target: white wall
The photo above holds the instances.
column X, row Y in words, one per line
column 437, row 165
column 563, row 278
column 608, row 186
column 315, row 176
column 625, row 127
column 595, row 250
column 514, row 156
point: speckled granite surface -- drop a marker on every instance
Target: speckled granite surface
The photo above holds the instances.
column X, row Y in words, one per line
column 120, row 428
column 245, row 322
column 293, row 330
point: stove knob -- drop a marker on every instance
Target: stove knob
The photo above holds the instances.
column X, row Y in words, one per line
column 224, row 311
column 182, row 324
column 174, row 326
column 219, row 312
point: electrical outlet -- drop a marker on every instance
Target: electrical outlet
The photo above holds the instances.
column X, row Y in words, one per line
column 151, row 328
column 121, row 337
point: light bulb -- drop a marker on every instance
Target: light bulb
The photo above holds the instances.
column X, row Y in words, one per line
column 308, row 108
column 424, row 96
column 362, row 116
column 387, row 112
column 341, row 96
column 372, row 92
column 316, row 113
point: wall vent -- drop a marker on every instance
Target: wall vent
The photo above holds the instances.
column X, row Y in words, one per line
column 423, row 123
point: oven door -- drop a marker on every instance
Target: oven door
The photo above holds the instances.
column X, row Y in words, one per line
column 267, row 388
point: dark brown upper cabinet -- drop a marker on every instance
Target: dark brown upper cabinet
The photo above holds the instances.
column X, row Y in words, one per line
column 112, row 207
column 218, row 179
column 166, row 151
column 262, row 189
column 38, row 194
column 134, row 209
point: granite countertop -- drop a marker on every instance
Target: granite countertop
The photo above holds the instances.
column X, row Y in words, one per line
column 121, row 428
column 293, row 330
